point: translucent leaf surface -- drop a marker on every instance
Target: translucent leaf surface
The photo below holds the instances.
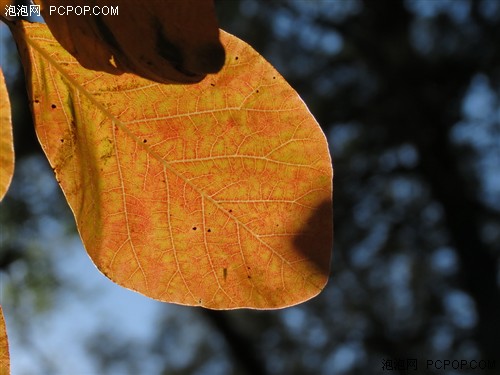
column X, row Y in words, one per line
column 217, row 194
column 4, row 347
column 6, row 141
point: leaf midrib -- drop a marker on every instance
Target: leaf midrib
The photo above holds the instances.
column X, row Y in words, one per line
column 155, row 155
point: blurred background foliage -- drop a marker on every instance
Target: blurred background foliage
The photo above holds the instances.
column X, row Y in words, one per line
column 407, row 93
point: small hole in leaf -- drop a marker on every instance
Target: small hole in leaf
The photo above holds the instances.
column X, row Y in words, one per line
column 230, row 211
column 212, row 84
column 209, row 230
column 37, row 101
column 144, row 141
column 62, row 140
column 249, row 276
column 236, row 58
column 257, row 91
column 274, row 77
column 194, row 228
column 53, row 106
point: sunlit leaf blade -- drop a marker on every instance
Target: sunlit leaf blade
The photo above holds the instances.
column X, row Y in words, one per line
column 6, row 141
column 4, row 347
column 217, row 194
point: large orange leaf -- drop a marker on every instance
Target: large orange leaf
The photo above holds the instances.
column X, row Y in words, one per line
column 161, row 40
column 217, row 194
column 6, row 141
column 4, row 347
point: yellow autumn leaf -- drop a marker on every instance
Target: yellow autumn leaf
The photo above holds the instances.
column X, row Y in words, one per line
column 161, row 40
column 4, row 347
column 216, row 194
column 6, row 141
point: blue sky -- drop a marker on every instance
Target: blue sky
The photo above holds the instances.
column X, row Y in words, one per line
column 92, row 303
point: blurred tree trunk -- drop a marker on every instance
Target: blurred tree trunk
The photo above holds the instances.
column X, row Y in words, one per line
column 420, row 103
